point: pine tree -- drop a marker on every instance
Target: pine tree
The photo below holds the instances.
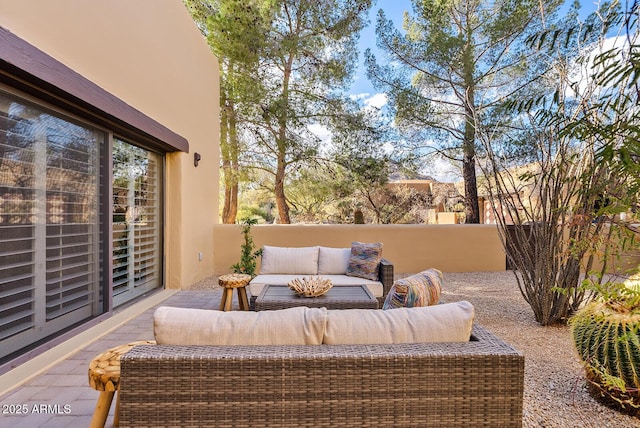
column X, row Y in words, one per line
column 450, row 71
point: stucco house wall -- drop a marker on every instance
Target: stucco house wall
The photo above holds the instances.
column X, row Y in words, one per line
column 151, row 55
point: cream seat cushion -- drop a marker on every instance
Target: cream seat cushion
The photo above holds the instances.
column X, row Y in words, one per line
column 184, row 326
column 450, row 322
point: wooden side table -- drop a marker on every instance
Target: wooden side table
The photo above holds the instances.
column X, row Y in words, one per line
column 230, row 281
column 104, row 376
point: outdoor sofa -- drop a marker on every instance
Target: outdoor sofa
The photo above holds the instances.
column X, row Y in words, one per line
column 300, row 380
column 361, row 264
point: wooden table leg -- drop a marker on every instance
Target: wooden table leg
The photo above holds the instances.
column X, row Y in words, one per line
column 223, row 298
column 242, row 299
column 102, row 409
column 229, row 282
column 228, row 299
column 116, row 412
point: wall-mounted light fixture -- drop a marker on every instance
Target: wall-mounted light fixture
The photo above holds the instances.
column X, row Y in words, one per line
column 196, row 158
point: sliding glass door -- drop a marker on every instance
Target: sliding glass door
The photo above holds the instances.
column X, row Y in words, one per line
column 49, row 222
column 137, row 221
column 61, row 182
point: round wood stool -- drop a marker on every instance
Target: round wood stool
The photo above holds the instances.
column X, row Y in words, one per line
column 104, row 376
column 230, row 281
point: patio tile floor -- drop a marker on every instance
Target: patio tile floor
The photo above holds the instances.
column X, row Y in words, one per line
column 60, row 395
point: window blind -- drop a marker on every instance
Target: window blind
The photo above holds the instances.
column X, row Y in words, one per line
column 49, row 222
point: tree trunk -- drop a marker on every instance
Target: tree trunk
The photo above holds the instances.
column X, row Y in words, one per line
column 281, row 200
column 229, row 148
column 472, row 211
column 234, row 170
column 224, row 155
column 281, row 169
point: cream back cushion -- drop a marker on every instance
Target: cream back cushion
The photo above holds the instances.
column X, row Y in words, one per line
column 289, row 260
column 450, row 322
column 333, row 261
column 184, row 326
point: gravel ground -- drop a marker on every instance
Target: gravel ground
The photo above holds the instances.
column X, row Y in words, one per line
column 555, row 394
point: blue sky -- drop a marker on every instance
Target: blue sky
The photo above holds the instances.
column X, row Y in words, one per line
column 394, row 10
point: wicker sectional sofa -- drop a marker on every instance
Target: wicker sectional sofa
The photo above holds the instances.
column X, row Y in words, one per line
column 282, row 264
column 472, row 383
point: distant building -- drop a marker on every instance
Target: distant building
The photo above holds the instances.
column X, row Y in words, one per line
column 443, row 197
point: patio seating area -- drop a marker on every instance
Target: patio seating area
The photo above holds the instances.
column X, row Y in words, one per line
column 59, row 395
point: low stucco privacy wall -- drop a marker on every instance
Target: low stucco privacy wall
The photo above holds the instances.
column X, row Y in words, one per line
column 410, row 247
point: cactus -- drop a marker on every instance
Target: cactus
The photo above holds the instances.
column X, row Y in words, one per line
column 606, row 335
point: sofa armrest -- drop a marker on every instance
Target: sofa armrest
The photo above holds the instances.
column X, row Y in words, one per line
column 385, row 276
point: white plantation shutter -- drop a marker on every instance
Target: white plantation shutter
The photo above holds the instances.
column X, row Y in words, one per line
column 49, row 223
column 16, row 280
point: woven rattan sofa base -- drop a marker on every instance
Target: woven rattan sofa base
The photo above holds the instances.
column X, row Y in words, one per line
column 473, row 384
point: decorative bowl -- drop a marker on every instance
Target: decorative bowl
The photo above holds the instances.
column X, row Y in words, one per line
column 312, row 286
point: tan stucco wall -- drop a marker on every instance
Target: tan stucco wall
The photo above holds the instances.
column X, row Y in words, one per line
column 150, row 54
column 411, row 247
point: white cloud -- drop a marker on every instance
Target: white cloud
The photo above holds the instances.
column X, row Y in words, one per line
column 388, row 147
column 377, row 101
column 583, row 74
column 322, row 132
column 359, row 97
column 368, row 100
column 441, row 169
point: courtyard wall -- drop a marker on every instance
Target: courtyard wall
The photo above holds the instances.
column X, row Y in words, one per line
column 410, row 247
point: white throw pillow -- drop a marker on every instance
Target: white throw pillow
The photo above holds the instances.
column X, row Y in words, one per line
column 450, row 322
column 289, row 260
column 333, row 261
column 185, row 326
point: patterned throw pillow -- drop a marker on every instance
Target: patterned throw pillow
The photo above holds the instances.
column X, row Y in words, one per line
column 364, row 260
column 421, row 289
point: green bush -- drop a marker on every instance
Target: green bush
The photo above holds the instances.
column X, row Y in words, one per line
column 248, row 253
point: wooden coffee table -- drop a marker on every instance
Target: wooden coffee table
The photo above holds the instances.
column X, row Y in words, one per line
column 338, row 297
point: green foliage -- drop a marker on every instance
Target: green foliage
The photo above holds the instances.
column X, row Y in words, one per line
column 305, row 68
column 397, row 205
column 314, row 193
column 248, row 253
column 236, row 32
column 284, row 68
column 606, row 331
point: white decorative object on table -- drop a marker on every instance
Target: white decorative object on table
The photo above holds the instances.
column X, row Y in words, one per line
column 311, row 286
